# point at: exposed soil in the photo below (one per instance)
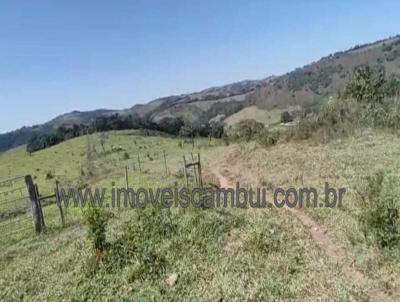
(324, 240)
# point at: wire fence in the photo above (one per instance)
(18, 214)
(16, 217)
(15, 211)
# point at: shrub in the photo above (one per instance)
(393, 85)
(49, 175)
(268, 137)
(140, 246)
(246, 130)
(286, 117)
(380, 218)
(335, 118)
(126, 156)
(303, 129)
(367, 85)
(97, 220)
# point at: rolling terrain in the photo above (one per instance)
(214, 254)
(306, 86)
(228, 252)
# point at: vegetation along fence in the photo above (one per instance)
(26, 208)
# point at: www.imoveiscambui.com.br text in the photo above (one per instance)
(203, 197)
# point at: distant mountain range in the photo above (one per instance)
(305, 86)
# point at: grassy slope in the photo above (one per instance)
(342, 163)
(234, 254)
(267, 117)
(312, 83)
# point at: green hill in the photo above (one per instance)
(305, 86)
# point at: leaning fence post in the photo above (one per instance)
(34, 204)
(58, 201)
(40, 206)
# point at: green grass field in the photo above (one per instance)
(267, 117)
(215, 254)
(342, 163)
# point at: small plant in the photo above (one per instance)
(49, 175)
(126, 156)
(97, 220)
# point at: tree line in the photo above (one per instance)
(170, 125)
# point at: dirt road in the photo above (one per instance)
(324, 240)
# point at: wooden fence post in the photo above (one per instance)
(40, 206)
(138, 158)
(58, 201)
(165, 164)
(126, 177)
(200, 175)
(127, 182)
(194, 169)
(34, 204)
(185, 172)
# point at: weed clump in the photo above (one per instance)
(248, 130)
(140, 247)
(97, 220)
(126, 156)
(380, 218)
(49, 175)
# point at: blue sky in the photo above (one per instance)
(59, 56)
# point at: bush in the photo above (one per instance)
(380, 218)
(140, 246)
(97, 220)
(286, 117)
(304, 128)
(336, 118)
(268, 137)
(367, 85)
(49, 175)
(246, 130)
(126, 156)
